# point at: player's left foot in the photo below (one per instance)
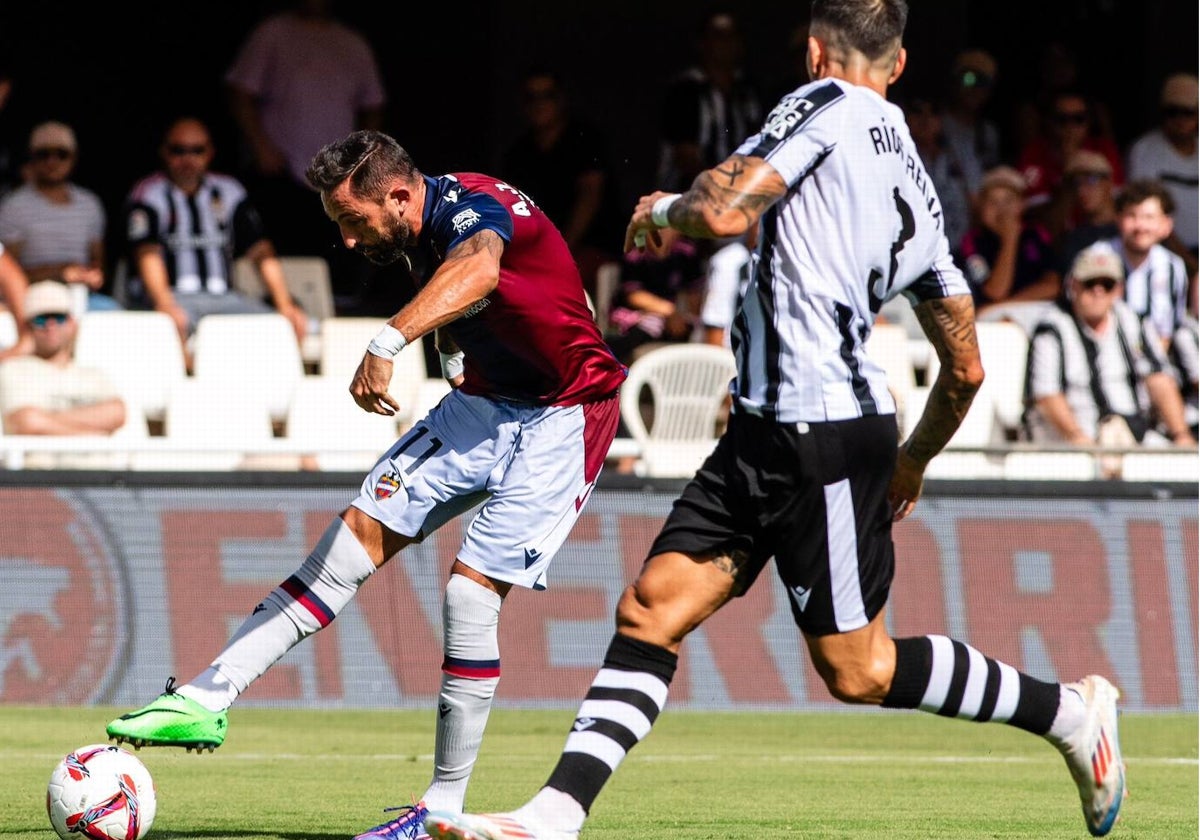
(1093, 755)
(489, 827)
(407, 826)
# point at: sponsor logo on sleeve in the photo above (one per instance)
(464, 220)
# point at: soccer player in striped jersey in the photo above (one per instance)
(809, 470)
(519, 440)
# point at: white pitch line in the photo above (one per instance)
(663, 758)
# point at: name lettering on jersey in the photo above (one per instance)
(521, 207)
(887, 141)
(465, 220)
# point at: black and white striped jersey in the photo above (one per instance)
(201, 233)
(860, 224)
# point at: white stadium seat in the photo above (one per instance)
(344, 340)
(259, 352)
(325, 421)
(139, 350)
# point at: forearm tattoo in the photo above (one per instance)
(734, 187)
(950, 325)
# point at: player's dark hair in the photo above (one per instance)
(1135, 192)
(370, 159)
(872, 27)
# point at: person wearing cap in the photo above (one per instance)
(46, 392)
(1096, 372)
(1007, 259)
(1094, 210)
(969, 132)
(1168, 153)
(54, 227)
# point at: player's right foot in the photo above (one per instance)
(171, 720)
(1093, 755)
(441, 826)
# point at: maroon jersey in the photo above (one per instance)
(533, 338)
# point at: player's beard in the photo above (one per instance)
(391, 244)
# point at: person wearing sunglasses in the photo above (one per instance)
(1096, 372)
(185, 225)
(46, 392)
(1167, 153)
(1067, 127)
(54, 227)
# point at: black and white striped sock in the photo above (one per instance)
(620, 708)
(946, 677)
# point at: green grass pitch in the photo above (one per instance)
(320, 775)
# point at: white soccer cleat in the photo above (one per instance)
(1093, 755)
(443, 826)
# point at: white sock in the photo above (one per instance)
(1071, 713)
(470, 674)
(552, 809)
(300, 606)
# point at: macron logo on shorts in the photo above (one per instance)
(800, 595)
(532, 555)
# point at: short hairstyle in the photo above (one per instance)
(871, 27)
(369, 159)
(1135, 192)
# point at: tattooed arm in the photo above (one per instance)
(724, 201)
(950, 325)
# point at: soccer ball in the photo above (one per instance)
(103, 792)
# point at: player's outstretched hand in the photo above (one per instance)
(370, 386)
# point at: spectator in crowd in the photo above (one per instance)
(1094, 203)
(1007, 258)
(955, 177)
(1069, 125)
(1156, 280)
(709, 107)
(54, 227)
(46, 392)
(13, 285)
(969, 132)
(657, 301)
(185, 225)
(301, 79)
(1184, 356)
(1096, 373)
(562, 162)
(1167, 153)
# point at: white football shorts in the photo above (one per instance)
(531, 467)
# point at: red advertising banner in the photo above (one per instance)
(106, 591)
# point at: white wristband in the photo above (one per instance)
(388, 343)
(658, 213)
(452, 364)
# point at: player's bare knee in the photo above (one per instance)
(855, 684)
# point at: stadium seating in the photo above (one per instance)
(139, 350)
(308, 282)
(325, 421)
(8, 330)
(688, 389)
(343, 342)
(259, 352)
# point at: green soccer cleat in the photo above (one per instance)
(171, 720)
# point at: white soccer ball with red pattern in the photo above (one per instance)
(102, 792)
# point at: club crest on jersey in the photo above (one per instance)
(465, 220)
(386, 486)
